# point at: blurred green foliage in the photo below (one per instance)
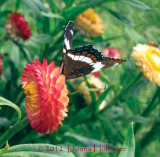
(129, 96)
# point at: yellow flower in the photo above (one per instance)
(147, 58)
(89, 23)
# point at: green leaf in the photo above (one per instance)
(40, 5)
(138, 119)
(84, 141)
(134, 35)
(43, 38)
(14, 72)
(80, 7)
(24, 51)
(51, 15)
(82, 115)
(111, 130)
(103, 96)
(104, 40)
(129, 144)
(4, 13)
(137, 4)
(5, 122)
(34, 8)
(38, 150)
(93, 96)
(6, 102)
(15, 55)
(120, 17)
(1, 2)
(69, 2)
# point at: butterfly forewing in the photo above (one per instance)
(68, 35)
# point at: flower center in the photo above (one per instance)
(154, 58)
(31, 96)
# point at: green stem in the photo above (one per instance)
(149, 109)
(150, 135)
(4, 150)
(23, 51)
(133, 81)
(105, 78)
(3, 38)
(110, 104)
(13, 130)
(93, 96)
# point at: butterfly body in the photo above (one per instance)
(84, 59)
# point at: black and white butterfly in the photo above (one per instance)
(82, 60)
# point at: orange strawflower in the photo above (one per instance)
(46, 96)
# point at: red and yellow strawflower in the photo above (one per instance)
(46, 96)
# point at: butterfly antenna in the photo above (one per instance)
(88, 89)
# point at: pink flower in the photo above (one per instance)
(112, 52)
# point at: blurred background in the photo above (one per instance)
(113, 27)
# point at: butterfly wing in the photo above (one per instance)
(68, 35)
(68, 38)
(84, 60)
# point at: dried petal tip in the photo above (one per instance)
(46, 96)
(17, 27)
(147, 58)
(89, 23)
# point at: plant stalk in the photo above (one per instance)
(149, 109)
(12, 131)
